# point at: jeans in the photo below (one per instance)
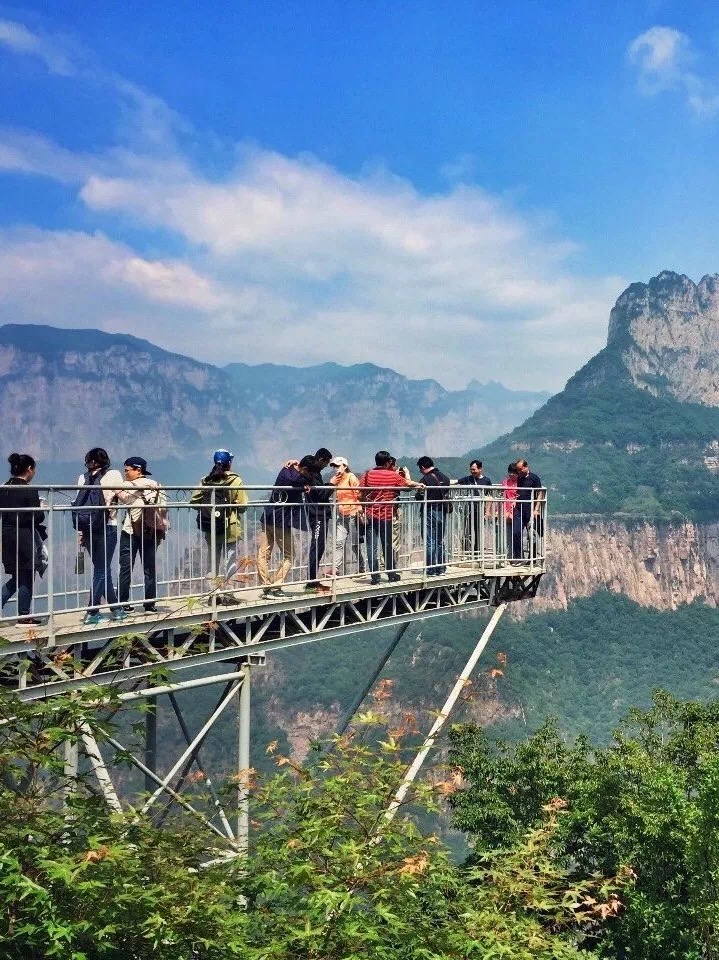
(103, 541)
(435, 545)
(473, 520)
(317, 545)
(225, 554)
(20, 581)
(380, 532)
(348, 532)
(520, 520)
(132, 544)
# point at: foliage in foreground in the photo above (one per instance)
(647, 804)
(328, 876)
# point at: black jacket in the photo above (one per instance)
(20, 525)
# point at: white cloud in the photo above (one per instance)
(287, 259)
(19, 39)
(665, 61)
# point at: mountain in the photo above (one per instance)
(636, 431)
(64, 391)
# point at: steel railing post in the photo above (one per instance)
(213, 554)
(334, 564)
(425, 528)
(50, 566)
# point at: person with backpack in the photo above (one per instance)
(22, 528)
(438, 507)
(94, 516)
(224, 515)
(142, 531)
(284, 515)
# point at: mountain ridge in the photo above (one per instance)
(63, 391)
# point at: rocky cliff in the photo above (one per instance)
(655, 565)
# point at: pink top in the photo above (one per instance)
(510, 495)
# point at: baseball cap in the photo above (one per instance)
(338, 462)
(139, 463)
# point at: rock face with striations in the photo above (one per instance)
(664, 338)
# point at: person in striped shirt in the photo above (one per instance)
(381, 486)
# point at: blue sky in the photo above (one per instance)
(455, 190)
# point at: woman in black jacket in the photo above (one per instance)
(21, 521)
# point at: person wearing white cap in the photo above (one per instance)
(349, 516)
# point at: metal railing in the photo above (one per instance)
(217, 552)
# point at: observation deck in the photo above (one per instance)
(212, 604)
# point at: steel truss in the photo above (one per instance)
(165, 662)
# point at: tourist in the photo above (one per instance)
(527, 507)
(220, 500)
(285, 513)
(381, 487)
(349, 510)
(142, 530)
(23, 529)
(478, 501)
(509, 495)
(318, 508)
(438, 507)
(94, 516)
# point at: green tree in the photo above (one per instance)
(646, 807)
(328, 876)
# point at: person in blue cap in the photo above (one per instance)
(224, 515)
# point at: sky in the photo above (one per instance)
(457, 191)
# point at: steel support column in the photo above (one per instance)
(243, 764)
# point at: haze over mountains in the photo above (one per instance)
(64, 391)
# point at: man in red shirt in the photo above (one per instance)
(381, 490)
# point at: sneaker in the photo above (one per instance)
(92, 619)
(394, 577)
(278, 592)
(312, 584)
(29, 619)
(374, 581)
(118, 614)
(128, 607)
(228, 600)
(149, 608)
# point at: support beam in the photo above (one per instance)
(243, 765)
(193, 747)
(444, 713)
(101, 772)
(359, 699)
(150, 740)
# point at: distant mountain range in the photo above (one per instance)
(64, 391)
(636, 430)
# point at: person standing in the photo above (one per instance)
(95, 518)
(474, 516)
(381, 486)
(21, 532)
(285, 513)
(140, 533)
(318, 510)
(526, 506)
(437, 504)
(349, 510)
(223, 514)
(509, 495)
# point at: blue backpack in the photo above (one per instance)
(86, 521)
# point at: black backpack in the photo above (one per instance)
(207, 514)
(86, 521)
